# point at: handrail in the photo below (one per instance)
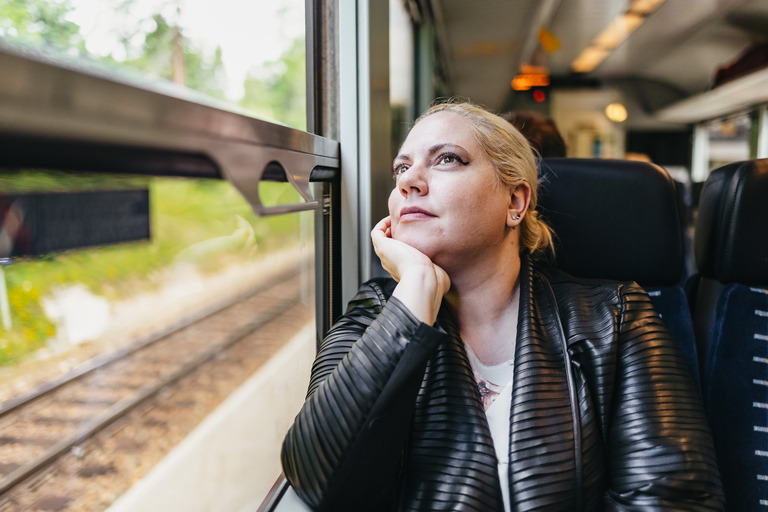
(58, 101)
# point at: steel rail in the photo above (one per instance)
(89, 366)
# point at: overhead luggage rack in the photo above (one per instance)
(742, 94)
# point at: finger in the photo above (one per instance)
(377, 237)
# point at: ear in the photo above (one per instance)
(519, 199)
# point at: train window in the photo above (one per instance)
(587, 130)
(155, 332)
(142, 341)
(729, 140)
(206, 50)
(401, 72)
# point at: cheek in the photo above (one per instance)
(392, 202)
(483, 212)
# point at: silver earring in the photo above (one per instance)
(516, 217)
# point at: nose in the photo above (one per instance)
(413, 181)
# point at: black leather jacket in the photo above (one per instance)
(393, 419)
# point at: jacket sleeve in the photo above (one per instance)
(660, 451)
(345, 446)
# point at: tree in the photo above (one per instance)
(167, 53)
(277, 89)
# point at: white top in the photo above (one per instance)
(495, 386)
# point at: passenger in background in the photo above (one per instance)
(540, 131)
(475, 378)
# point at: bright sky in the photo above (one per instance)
(249, 32)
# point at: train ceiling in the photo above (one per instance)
(679, 46)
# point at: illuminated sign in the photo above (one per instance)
(531, 76)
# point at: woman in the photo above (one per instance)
(447, 387)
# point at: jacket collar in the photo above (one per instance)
(541, 452)
(541, 418)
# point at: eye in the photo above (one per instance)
(398, 170)
(449, 158)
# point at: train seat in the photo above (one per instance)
(731, 302)
(617, 219)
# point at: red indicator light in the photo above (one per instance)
(539, 96)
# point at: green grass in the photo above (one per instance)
(204, 222)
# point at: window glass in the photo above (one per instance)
(162, 331)
(214, 309)
(401, 67)
(248, 54)
(729, 141)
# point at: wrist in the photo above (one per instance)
(419, 290)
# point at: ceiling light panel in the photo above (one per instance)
(644, 7)
(617, 31)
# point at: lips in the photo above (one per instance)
(414, 212)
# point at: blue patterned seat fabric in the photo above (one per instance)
(731, 245)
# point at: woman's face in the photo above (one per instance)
(447, 201)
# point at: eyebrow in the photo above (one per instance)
(432, 150)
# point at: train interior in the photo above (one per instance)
(151, 220)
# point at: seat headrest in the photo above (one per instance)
(613, 219)
(731, 240)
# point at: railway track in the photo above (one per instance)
(56, 418)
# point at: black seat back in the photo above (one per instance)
(617, 219)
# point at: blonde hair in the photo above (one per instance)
(514, 161)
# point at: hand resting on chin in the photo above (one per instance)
(421, 283)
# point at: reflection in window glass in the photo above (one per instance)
(401, 79)
(174, 359)
(250, 54)
(200, 228)
(74, 309)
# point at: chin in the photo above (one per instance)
(434, 249)
(418, 241)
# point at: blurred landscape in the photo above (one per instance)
(199, 228)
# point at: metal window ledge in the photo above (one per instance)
(71, 114)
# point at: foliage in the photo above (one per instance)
(40, 21)
(156, 56)
(44, 22)
(31, 326)
(205, 222)
(59, 181)
(277, 89)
